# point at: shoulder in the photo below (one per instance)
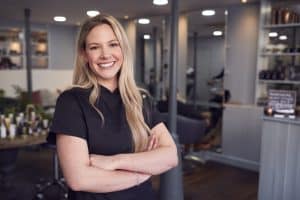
(72, 94)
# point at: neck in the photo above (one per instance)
(111, 85)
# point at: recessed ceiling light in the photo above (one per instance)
(92, 13)
(208, 12)
(283, 37)
(144, 21)
(147, 36)
(244, 1)
(160, 2)
(217, 33)
(126, 17)
(273, 34)
(60, 18)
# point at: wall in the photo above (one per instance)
(210, 61)
(61, 40)
(41, 79)
(241, 53)
(62, 46)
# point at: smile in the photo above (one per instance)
(106, 65)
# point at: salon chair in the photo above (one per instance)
(56, 180)
(189, 131)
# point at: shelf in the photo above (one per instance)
(279, 82)
(280, 54)
(283, 25)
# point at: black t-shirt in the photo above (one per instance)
(76, 117)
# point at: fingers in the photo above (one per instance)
(153, 142)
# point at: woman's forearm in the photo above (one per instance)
(97, 180)
(151, 162)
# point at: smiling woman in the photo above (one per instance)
(108, 122)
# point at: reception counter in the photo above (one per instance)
(279, 177)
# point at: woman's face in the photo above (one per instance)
(104, 55)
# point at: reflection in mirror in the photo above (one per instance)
(150, 56)
(206, 56)
(205, 72)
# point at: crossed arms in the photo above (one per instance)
(101, 174)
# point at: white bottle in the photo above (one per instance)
(3, 131)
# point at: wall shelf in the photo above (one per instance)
(279, 82)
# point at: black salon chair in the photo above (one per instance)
(189, 131)
(56, 180)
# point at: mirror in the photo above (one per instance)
(206, 70)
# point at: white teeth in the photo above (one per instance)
(106, 64)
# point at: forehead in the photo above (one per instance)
(101, 33)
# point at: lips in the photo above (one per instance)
(106, 65)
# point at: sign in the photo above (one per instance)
(282, 99)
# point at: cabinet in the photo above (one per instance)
(278, 59)
(12, 49)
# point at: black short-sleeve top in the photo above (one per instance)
(76, 117)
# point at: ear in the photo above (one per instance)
(84, 56)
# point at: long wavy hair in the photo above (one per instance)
(131, 95)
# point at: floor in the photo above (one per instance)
(212, 181)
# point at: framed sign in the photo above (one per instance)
(280, 100)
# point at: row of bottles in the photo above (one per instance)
(284, 16)
(23, 124)
(281, 73)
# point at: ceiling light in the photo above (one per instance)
(217, 33)
(147, 36)
(126, 17)
(226, 12)
(208, 12)
(244, 1)
(92, 13)
(160, 2)
(283, 37)
(273, 34)
(60, 18)
(144, 21)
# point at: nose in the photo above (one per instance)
(105, 54)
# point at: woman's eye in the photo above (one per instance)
(114, 44)
(93, 47)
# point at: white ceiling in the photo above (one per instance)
(43, 11)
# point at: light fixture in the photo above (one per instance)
(160, 2)
(273, 34)
(226, 12)
(126, 17)
(244, 1)
(147, 36)
(92, 13)
(144, 21)
(60, 18)
(217, 33)
(208, 12)
(283, 37)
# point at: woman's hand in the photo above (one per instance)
(104, 162)
(152, 142)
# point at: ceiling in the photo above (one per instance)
(43, 11)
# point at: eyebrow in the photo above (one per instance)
(95, 43)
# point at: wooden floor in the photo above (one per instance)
(214, 181)
(211, 181)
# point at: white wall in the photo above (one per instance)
(241, 52)
(41, 79)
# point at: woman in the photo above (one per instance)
(105, 147)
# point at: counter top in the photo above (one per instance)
(283, 120)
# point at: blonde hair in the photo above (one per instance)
(131, 95)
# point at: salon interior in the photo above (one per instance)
(232, 66)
